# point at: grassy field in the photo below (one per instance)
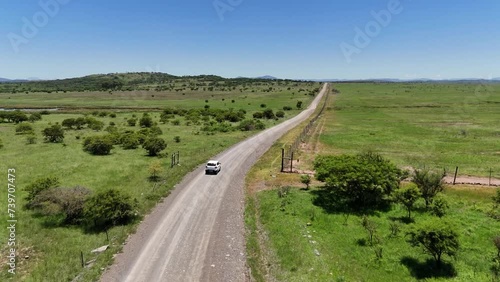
(433, 125)
(50, 252)
(342, 256)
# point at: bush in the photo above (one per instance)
(263, 105)
(24, 128)
(177, 139)
(258, 115)
(54, 134)
(35, 117)
(146, 121)
(66, 201)
(280, 114)
(31, 139)
(299, 105)
(130, 141)
(176, 122)
(38, 186)
(108, 208)
(112, 115)
(268, 114)
(287, 108)
(305, 179)
(436, 238)
(154, 145)
(1, 144)
(429, 183)
(98, 145)
(439, 206)
(362, 181)
(68, 123)
(96, 125)
(132, 122)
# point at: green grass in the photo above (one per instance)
(432, 125)
(342, 258)
(54, 251)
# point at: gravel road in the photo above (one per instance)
(197, 233)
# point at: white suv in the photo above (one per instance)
(212, 167)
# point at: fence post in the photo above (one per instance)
(83, 261)
(455, 178)
(282, 159)
(178, 157)
(489, 180)
(291, 162)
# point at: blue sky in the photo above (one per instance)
(287, 39)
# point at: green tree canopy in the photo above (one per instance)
(359, 181)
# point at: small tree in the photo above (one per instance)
(299, 105)
(436, 238)
(306, 179)
(54, 134)
(98, 145)
(429, 183)
(370, 227)
(31, 139)
(109, 208)
(268, 114)
(439, 206)
(132, 121)
(35, 117)
(24, 128)
(407, 197)
(155, 169)
(154, 145)
(177, 139)
(68, 123)
(280, 114)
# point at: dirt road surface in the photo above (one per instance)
(197, 233)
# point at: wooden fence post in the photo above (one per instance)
(455, 178)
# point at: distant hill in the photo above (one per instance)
(122, 81)
(267, 77)
(4, 79)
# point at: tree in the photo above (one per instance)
(429, 183)
(154, 145)
(38, 186)
(299, 105)
(109, 208)
(155, 169)
(54, 134)
(24, 128)
(407, 196)
(98, 145)
(305, 179)
(360, 181)
(436, 238)
(18, 116)
(280, 114)
(370, 227)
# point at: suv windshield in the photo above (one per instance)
(211, 164)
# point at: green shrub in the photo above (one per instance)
(258, 115)
(98, 145)
(24, 128)
(146, 121)
(31, 139)
(439, 206)
(287, 108)
(177, 139)
(35, 117)
(132, 122)
(154, 145)
(1, 144)
(38, 186)
(130, 141)
(108, 208)
(54, 134)
(280, 114)
(112, 115)
(268, 114)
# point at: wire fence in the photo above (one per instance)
(287, 154)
